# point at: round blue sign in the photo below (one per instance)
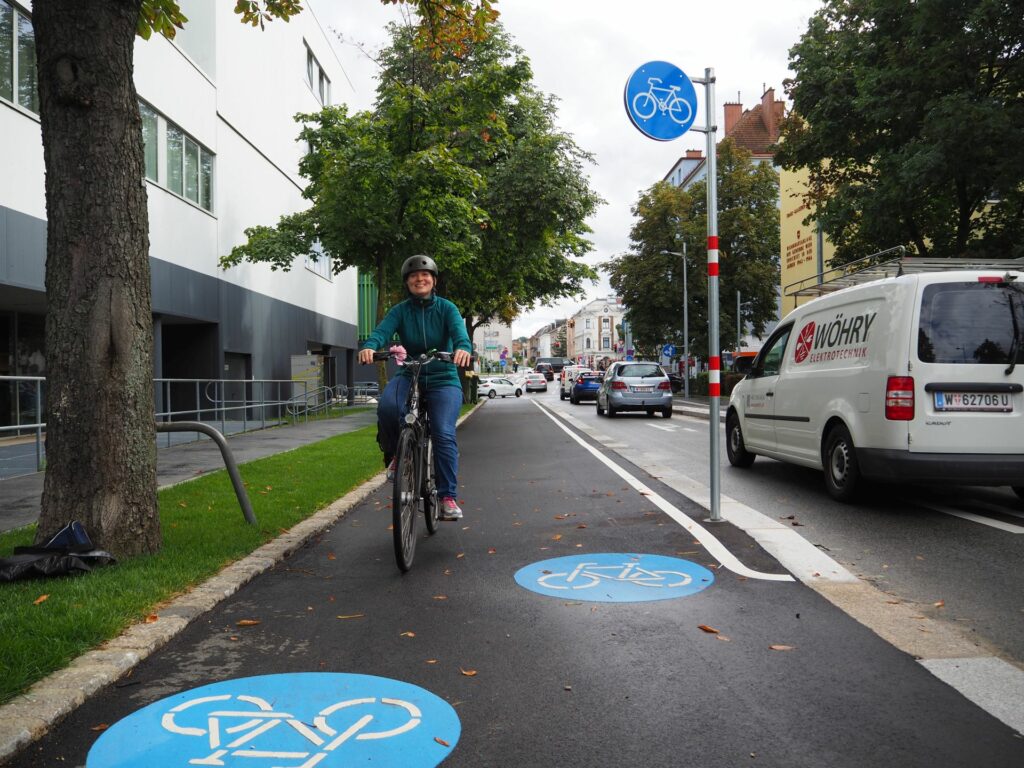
(286, 721)
(668, 350)
(660, 100)
(613, 577)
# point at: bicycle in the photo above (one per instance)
(414, 486)
(646, 103)
(587, 575)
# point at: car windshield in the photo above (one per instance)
(640, 370)
(971, 323)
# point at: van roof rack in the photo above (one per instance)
(892, 262)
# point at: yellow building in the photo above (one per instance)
(805, 251)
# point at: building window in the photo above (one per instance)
(319, 263)
(317, 79)
(187, 169)
(586, 342)
(18, 78)
(606, 343)
(588, 323)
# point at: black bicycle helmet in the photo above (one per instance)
(417, 264)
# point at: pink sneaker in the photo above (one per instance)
(450, 510)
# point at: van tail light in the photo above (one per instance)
(619, 385)
(899, 398)
(665, 385)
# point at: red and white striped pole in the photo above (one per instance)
(714, 356)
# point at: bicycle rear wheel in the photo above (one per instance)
(405, 500)
(431, 503)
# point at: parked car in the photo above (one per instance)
(917, 378)
(635, 386)
(585, 386)
(556, 363)
(535, 382)
(498, 387)
(567, 378)
(546, 370)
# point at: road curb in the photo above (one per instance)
(29, 716)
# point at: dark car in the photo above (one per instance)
(585, 387)
(547, 370)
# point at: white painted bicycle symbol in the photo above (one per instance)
(225, 739)
(587, 575)
(646, 103)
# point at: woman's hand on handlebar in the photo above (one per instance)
(462, 358)
(366, 356)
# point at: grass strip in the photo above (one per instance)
(203, 531)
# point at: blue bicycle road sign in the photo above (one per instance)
(660, 100)
(615, 577)
(304, 719)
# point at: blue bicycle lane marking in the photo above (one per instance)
(296, 720)
(615, 577)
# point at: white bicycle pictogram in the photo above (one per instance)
(587, 575)
(646, 103)
(230, 740)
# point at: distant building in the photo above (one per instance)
(593, 333)
(490, 341)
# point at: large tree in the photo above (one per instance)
(650, 282)
(460, 159)
(101, 455)
(907, 117)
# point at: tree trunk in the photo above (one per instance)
(101, 447)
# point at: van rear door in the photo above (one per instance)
(969, 372)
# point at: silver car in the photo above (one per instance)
(635, 386)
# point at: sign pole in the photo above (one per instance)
(714, 356)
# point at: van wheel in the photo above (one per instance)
(519, 393)
(561, 394)
(842, 473)
(737, 452)
(600, 410)
(1019, 490)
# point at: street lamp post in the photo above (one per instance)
(686, 324)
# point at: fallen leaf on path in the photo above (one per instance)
(560, 517)
(407, 634)
(706, 628)
(780, 648)
(100, 727)
(582, 525)
(352, 616)
(940, 604)
(247, 623)
(330, 556)
(492, 551)
(440, 597)
(460, 555)
(723, 638)
(468, 672)
(442, 742)
(557, 537)
(40, 599)
(152, 618)
(233, 637)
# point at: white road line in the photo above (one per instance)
(1008, 527)
(710, 543)
(690, 429)
(997, 508)
(664, 429)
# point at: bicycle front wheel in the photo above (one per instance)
(405, 500)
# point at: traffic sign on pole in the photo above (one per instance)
(660, 100)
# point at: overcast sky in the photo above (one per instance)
(583, 51)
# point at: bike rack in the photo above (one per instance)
(225, 451)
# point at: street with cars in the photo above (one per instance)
(585, 613)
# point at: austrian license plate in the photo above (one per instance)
(1001, 402)
(643, 389)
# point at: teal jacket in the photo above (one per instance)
(422, 325)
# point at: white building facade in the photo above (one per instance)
(489, 341)
(221, 155)
(594, 332)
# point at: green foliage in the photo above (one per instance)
(651, 282)
(460, 159)
(907, 117)
(203, 531)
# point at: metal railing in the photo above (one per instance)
(236, 405)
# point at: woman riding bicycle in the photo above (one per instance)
(424, 322)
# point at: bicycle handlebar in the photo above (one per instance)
(426, 357)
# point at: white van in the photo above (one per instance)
(568, 377)
(917, 378)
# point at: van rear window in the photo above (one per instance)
(971, 323)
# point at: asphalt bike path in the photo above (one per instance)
(722, 669)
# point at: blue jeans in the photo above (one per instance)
(443, 405)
